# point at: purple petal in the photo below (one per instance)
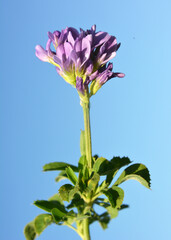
(60, 51)
(48, 44)
(82, 48)
(89, 68)
(79, 84)
(57, 60)
(120, 75)
(93, 28)
(74, 32)
(77, 46)
(71, 39)
(67, 65)
(63, 36)
(86, 48)
(54, 37)
(82, 86)
(68, 49)
(94, 75)
(73, 56)
(110, 66)
(118, 46)
(107, 58)
(56, 34)
(49, 52)
(100, 38)
(89, 37)
(41, 53)
(51, 36)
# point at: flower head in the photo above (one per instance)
(81, 57)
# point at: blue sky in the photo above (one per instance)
(41, 117)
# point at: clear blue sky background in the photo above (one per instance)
(41, 117)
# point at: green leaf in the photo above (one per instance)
(42, 221)
(137, 172)
(55, 166)
(113, 212)
(104, 220)
(29, 231)
(101, 166)
(73, 192)
(77, 202)
(116, 164)
(82, 162)
(49, 205)
(58, 215)
(82, 143)
(115, 196)
(71, 175)
(81, 182)
(123, 206)
(64, 191)
(105, 167)
(83, 178)
(93, 182)
(102, 187)
(61, 176)
(56, 197)
(95, 157)
(103, 202)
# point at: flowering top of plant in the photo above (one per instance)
(81, 57)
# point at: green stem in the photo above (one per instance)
(86, 229)
(86, 111)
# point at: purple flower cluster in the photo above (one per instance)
(81, 57)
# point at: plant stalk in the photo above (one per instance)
(86, 229)
(86, 111)
(87, 129)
